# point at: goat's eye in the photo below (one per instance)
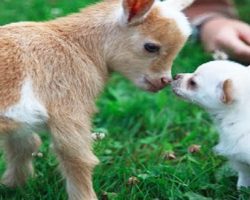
(152, 48)
(192, 84)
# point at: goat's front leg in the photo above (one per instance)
(72, 144)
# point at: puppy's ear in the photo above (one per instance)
(135, 10)
(179, 4)
(227, 92)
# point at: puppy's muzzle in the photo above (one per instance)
(178, 76)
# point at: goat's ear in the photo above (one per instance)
(136, 10)
(179, 4)
(227, 92)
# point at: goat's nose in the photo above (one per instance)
(158, 83)
(165, 81)
(178, 76)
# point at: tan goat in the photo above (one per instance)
(51, 73)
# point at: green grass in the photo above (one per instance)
(141, 128)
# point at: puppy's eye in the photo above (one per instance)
(152, 48)
(192, 84)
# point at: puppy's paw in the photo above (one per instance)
(243, 182)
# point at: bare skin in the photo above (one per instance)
(228, 35)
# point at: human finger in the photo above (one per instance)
(236, 48)
(244, 34)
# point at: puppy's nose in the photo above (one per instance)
(178, 76)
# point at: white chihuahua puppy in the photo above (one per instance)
(222, 88)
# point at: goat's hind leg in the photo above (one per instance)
(18, 148)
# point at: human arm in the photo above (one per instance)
(219, 28)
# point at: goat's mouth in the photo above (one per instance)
(151, 87)
(156, 85)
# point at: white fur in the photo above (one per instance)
(171, 12)
(29, 109)
(232, 120)
(179, 4)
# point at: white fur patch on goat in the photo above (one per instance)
(172, 13)
(28, 110)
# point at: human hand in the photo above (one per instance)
(228, 35)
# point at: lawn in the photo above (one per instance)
(142, 130)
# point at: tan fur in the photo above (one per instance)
(19, 150)
(227, 91)
(12, 67)
(68, 61)
(167, 33)
(7, 125)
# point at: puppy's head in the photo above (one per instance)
(214, 85)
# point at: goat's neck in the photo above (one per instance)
(90, 31)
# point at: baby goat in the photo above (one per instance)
(51, 73)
